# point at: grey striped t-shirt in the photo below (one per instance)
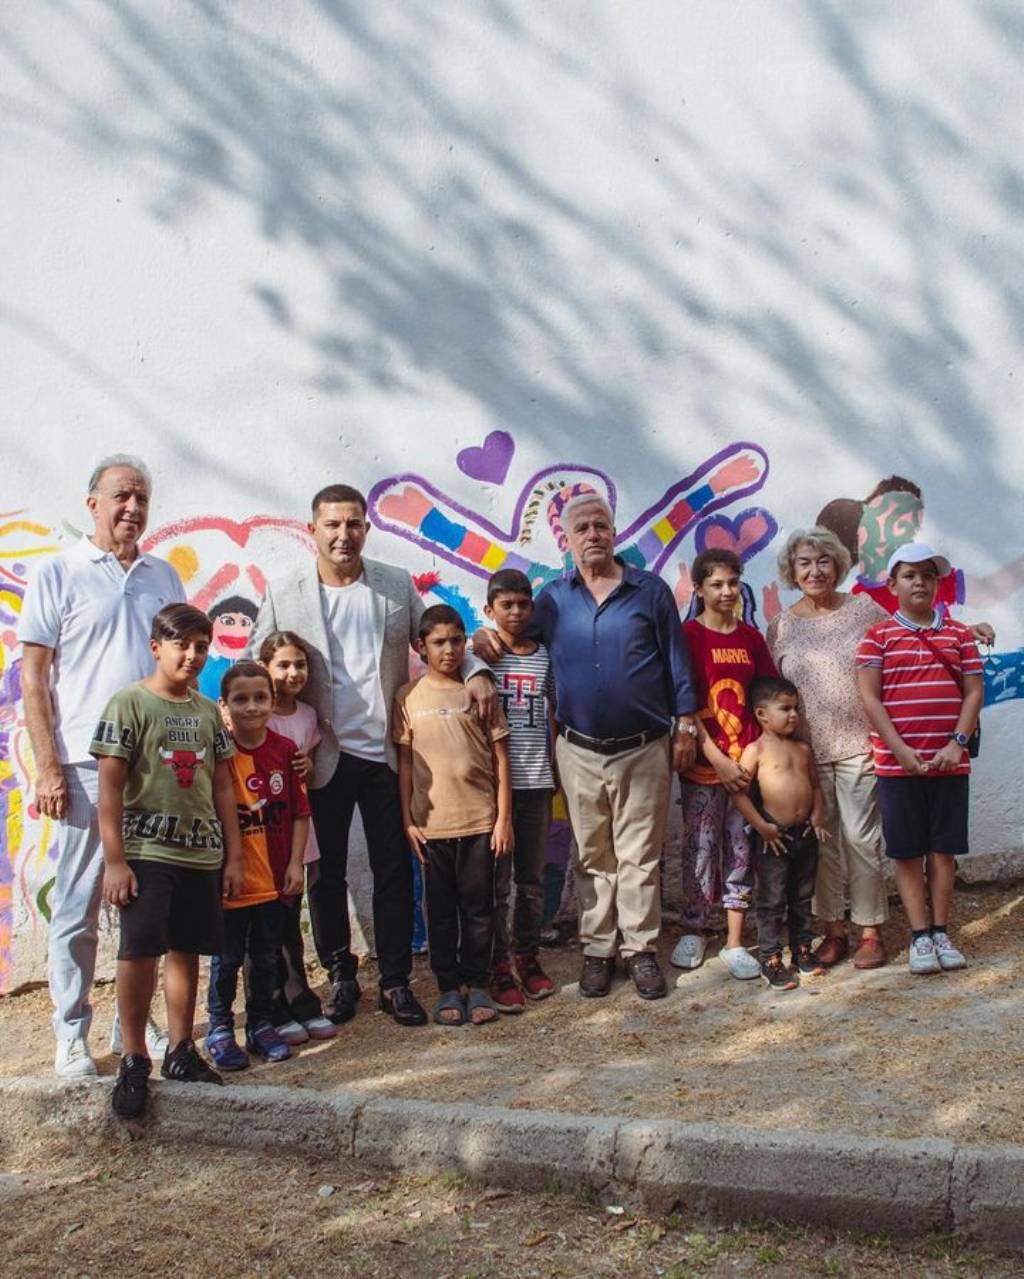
(526, 689)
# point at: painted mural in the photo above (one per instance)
(224, 564)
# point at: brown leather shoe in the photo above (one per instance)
(596, 978)
(832, 951)
(647, 976)
(870, 953)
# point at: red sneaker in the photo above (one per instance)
(534, 980)
(503, 990)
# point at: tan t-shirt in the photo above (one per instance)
(454, 789)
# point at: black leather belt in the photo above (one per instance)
(611, 745)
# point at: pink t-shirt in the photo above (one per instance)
(302, 727)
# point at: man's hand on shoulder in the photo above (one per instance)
(487, 645)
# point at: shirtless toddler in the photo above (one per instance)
(785, 807)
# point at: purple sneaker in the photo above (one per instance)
(224, 1049)
(265, 1042)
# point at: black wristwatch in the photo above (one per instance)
(961, 739)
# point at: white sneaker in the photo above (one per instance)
(948, 955)
(74, 1060)
(689, 951)
(923, 958)
(156, 1039)
(740, 962)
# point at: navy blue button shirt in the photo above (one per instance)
(621, 667)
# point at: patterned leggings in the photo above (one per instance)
(718, 863)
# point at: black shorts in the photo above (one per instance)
(178, 908)
(924, 814)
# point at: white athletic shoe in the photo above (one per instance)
(948, 955)
(689, 951)
(740, 962)
(923, 958)
(156, 1039)
(74, 1060)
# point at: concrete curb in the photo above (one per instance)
(823, 1179)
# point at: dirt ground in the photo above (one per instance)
(148, 1209)
(878, 1053)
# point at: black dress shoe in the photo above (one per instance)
(342, 1006)
(403, 1005)
(647, 976)
(596, 978)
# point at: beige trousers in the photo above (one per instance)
(850, 864)
(618, 806)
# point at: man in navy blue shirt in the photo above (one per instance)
(625, 709)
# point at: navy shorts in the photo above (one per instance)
(178, 908)
(924, 814)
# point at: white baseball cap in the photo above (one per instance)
(917, 553)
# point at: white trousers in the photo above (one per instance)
(75, 905)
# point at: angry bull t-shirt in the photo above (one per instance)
(172, 749)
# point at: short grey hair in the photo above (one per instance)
(586, 499)
(822, 540)
(127, 460)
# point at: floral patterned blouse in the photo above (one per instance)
(817, 654)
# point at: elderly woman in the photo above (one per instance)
(814, 643)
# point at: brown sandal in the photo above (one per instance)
(870, 953)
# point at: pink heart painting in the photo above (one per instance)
(746, 534)
(488, 462)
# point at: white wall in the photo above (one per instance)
(270, 246)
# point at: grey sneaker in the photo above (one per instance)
(948, 955)
(923, 958)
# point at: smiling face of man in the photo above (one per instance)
(119, 505)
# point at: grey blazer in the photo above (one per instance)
(293, 604)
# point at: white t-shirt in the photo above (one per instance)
(359, 715)
(97, 619)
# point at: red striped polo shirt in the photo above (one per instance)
(922, 697)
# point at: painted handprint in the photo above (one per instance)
(412, 508)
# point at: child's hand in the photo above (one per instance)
(949, 757)
(234, 879)
(502, 839)
(909, 760)
(302, 764)
(293, 880)
(822, 832)
(734, 777)
(119, 885)
(772, 837)
(417, 842)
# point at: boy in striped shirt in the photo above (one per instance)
(920, 679)
(524, 683)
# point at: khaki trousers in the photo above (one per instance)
(850, 864)
(618, 805)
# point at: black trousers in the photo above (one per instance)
(531, 819)
(252, 936)
(293, 998)
(374, 787)
(460, 909)
(785, 886)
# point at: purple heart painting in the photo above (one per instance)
(488, 462)
(746, 534)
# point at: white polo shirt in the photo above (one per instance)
(97, 619)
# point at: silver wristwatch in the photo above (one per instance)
(678, 726)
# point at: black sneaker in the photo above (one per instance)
(128, 1100)
(804, 961)
(777, 975)
(342, 1006)
(185, 1066)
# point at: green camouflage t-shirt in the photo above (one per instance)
(172, 749)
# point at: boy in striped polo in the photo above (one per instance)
(524, 683)
(920, 679)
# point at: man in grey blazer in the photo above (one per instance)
(358, 619)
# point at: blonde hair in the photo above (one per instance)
(819, 539)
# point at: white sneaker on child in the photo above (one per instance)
(689, 951)
(74, 1060)
(293, 1033)
(740, 962)
(948, 955)
(156, 1039)
(923, 958)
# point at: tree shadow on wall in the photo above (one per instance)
(465, 259)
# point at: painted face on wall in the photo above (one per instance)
(231, 634)
(888, 522)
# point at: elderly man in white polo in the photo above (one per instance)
(84, 630)
(625, 708)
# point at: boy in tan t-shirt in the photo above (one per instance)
(453, 776)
